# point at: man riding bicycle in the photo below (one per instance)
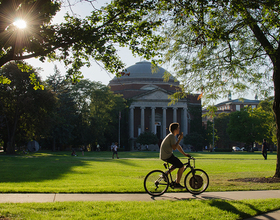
(166, 152)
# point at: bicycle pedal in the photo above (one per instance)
(172, 184)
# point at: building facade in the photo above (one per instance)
(236, 105)
(228, 106)
(150, 108)
(231, 106)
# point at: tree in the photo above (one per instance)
(23, 109)
(14, 41)
(98, 109)
(196, 140)
(147, 138)
(263, 124)
(209, 134)
(63, 118)
(267, 106)
(76, 40)
(248, 126)
(239, 127)
(221, 124)
(220, 46)
(105, 108)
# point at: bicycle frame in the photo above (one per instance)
(157, 182)
(187, 165)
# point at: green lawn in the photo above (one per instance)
(97, 172)
(188, 209)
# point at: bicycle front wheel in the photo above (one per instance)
(196, 181)
(156, 183)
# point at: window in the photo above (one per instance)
(237, 107)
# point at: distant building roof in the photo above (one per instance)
(239, 101)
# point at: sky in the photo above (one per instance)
(95, 72)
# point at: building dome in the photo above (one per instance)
(144, 69)
(140, 77)
(149, 101)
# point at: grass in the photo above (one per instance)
(96, 172)
(187, 209)
(46, 172)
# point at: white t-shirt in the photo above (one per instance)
(166, 150)
(115, 147)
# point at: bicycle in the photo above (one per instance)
(157, 182)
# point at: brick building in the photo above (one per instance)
(228, 107)
(231, 106)
(150, 108)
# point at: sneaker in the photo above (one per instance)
(178, 186)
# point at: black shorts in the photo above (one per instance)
(174, 161)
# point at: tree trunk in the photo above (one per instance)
(53, 145)
(11, 149)
(276, 109)
(5, 146)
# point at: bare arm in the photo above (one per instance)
(175, 146)
(180, 149)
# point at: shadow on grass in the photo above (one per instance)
(229, 207)
(39, 168)
(35, 169)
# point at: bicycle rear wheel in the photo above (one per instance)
(196, 181)
(156, 183)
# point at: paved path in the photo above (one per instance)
(233, 195)
(52, 197)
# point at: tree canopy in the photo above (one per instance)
(147, 138)
(219, 46)
(61, 116)
(221, 124)
(76, 40)
(24, 112)
(249, 125)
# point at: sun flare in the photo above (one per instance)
(19, 23)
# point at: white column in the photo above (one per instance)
(153, 117)
(142, 119)
(164, 122)
(185, 120)
(131, 122)
(174, 114)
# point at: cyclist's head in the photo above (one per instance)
(173, 126)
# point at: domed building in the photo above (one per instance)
(150, 108)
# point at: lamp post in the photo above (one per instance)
(213, 133)
(120, 116)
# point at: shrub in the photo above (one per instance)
(147, 138)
